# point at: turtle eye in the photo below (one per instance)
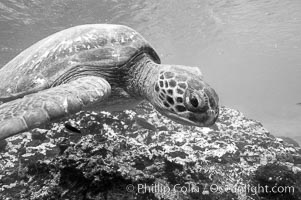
(194, 101)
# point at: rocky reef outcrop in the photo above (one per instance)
(139, 154)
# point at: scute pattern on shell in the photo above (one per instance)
(45, 61)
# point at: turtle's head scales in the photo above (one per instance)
(182, 95)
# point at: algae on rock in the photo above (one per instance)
(113, 155)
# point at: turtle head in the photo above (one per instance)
(182, 95)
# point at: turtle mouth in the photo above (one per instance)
(200, 120)
(193, 119)
(184, 121)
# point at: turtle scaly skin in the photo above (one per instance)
(98, 67)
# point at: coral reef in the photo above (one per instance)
(117, 156)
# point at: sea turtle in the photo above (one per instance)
(98, 67)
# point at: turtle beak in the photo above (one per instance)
(213, 116)
(204, 119)
(193, 119)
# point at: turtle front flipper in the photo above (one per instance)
(54, 103)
